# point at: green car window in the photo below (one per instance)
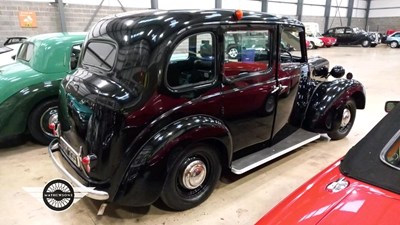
(26, 52)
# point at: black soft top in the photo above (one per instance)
(157, 25)
(363, 161)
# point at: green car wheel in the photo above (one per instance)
(39, 119)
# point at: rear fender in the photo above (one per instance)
(16, 109)
(148, 169)
(329, 97)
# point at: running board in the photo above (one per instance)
(297, 139)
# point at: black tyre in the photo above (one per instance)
(312, 45)
(365, 43)
(343, 120)
(192, 176)
(373, 45)
(38, 121)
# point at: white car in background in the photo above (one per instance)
(314, 42)
(7, 52)
(10, 50)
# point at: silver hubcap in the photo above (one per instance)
(365, 43)
(194, 174)
(49, 116)
(345, 117)
(233, 53)
(393, 44)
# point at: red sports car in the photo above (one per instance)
(328, 41)
(361, 188)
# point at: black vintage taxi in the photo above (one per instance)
(157, 107)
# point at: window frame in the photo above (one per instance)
(20, 49)
(197, 85)
(85, 49)
(240, 29)
(383, 155)
(79, 57)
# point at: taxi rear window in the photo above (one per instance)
(100, 55)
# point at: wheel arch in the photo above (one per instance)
(18, 107)
(328, 97)
(149, 165)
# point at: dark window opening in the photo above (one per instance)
(192, 62)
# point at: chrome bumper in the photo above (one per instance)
(91, 193)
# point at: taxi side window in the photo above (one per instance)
(247, 53)
(192, 62)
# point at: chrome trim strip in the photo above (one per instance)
(265, 160)
(91, 193)
(387, 148)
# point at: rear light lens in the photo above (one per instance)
(87, 160)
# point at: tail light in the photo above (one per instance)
(87, 160)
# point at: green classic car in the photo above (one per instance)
(29, 87)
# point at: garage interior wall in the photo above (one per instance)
(383, 14)
(77, 16)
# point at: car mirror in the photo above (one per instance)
(337, 71)
(389, 105)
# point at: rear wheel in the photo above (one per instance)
(394, 44)
(343, 120)
(38, 121)
(312, 45)
(192, 177)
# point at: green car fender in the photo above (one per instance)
(16, 109)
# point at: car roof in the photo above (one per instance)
(215, 15)
(56, 37)
(52, 48)
(363, 162)
(157, 25)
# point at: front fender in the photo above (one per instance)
(145, 176)
(330, 96)
(15, 110)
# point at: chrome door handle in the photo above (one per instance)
(276, 88)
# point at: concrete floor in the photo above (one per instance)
(237, 199)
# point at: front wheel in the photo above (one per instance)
(343, 120)
(365, 43)
(312, 45)
(394, 44)
(38, 121)
(192, 177)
